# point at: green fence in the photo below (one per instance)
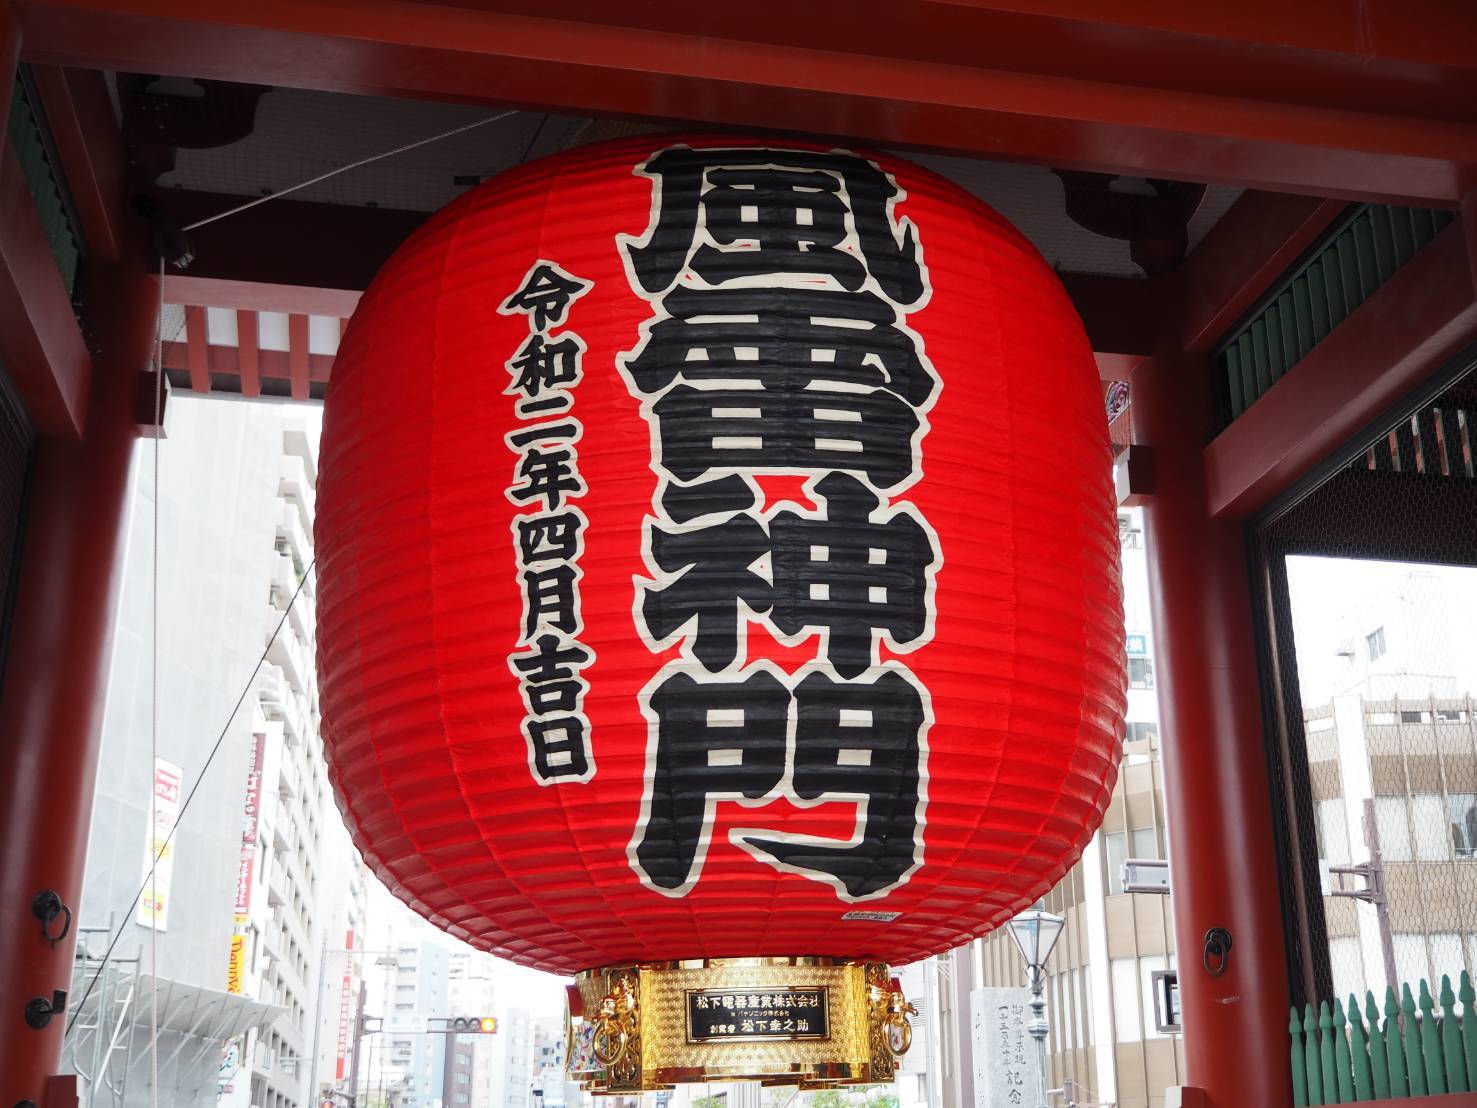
(1341, 1056)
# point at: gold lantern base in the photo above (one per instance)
(812, 1022)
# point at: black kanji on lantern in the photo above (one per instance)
(726, 740)
(850, 576)
(548, 542)
(857, 740)
(542, 365)
(791, 205)
(780, 283)
(782, 338)
(713, 739)
(853, 571)
(550, 673)
(712, 577)
(545, 296)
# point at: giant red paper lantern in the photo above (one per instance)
(718, 558)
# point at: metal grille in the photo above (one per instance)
(1354, 258)
(32, 144)
(1369, 587)
(17, 442)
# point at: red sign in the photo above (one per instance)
(345, 998)
(248, 829)
(718, 557)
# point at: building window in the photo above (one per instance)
(1124, 976)
(1115, 850)
(1143, 732)
(1463, 808)
(1130, 536)
(1140, 673)
(1374, 642)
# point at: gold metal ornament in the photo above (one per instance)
(813, 1022)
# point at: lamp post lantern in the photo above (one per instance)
(1036, 932)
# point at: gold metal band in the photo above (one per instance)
(815, 1022)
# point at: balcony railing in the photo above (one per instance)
(1343, 1056)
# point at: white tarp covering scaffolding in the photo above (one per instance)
(108, 1046)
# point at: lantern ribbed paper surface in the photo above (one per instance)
(717, 557)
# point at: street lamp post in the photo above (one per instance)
(1036, 932)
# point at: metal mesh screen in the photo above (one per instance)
(1370, 590)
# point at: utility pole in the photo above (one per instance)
(317, 1022)
(357, 1044)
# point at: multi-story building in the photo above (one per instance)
(234, 906)
(1111, 1042)
(512, 1058)
(471, 994)
(414, 992)
(1390, 727)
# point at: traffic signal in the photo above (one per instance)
(469, 1025)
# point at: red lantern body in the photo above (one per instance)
(717, 558)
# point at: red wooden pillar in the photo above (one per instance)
(1216, 789)
(51, 705)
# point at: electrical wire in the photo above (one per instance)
(345, 168)
(184, 807)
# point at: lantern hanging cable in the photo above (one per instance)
(345, 168)
(199, 778)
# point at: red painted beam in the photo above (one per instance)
(248, 357)
(297, 354)
(1241, 257)
(39, 338)
(231, 361)
(258, 296)
(1069, 88)
(79, 114)
(1421, 318)
(197, 342)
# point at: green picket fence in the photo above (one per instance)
(1340, 1055)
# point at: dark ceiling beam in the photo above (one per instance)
(1412, 326)
(79, 115)
(1374, 103)
(1121, 318)
(287, 242)
(40, 341)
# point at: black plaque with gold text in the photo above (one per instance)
(737, 1015)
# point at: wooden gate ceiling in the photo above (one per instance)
(1262, 103)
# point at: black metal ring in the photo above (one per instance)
(1217, 953)
(46, 906)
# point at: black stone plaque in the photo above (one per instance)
(738, 1015)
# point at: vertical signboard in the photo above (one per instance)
(1006, 1069)
(153, 906)
(345, 1000)
(249, 828)
(245, 866)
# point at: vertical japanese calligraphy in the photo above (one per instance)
(548, 539)
(780, 282)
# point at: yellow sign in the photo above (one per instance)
(236, 973)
